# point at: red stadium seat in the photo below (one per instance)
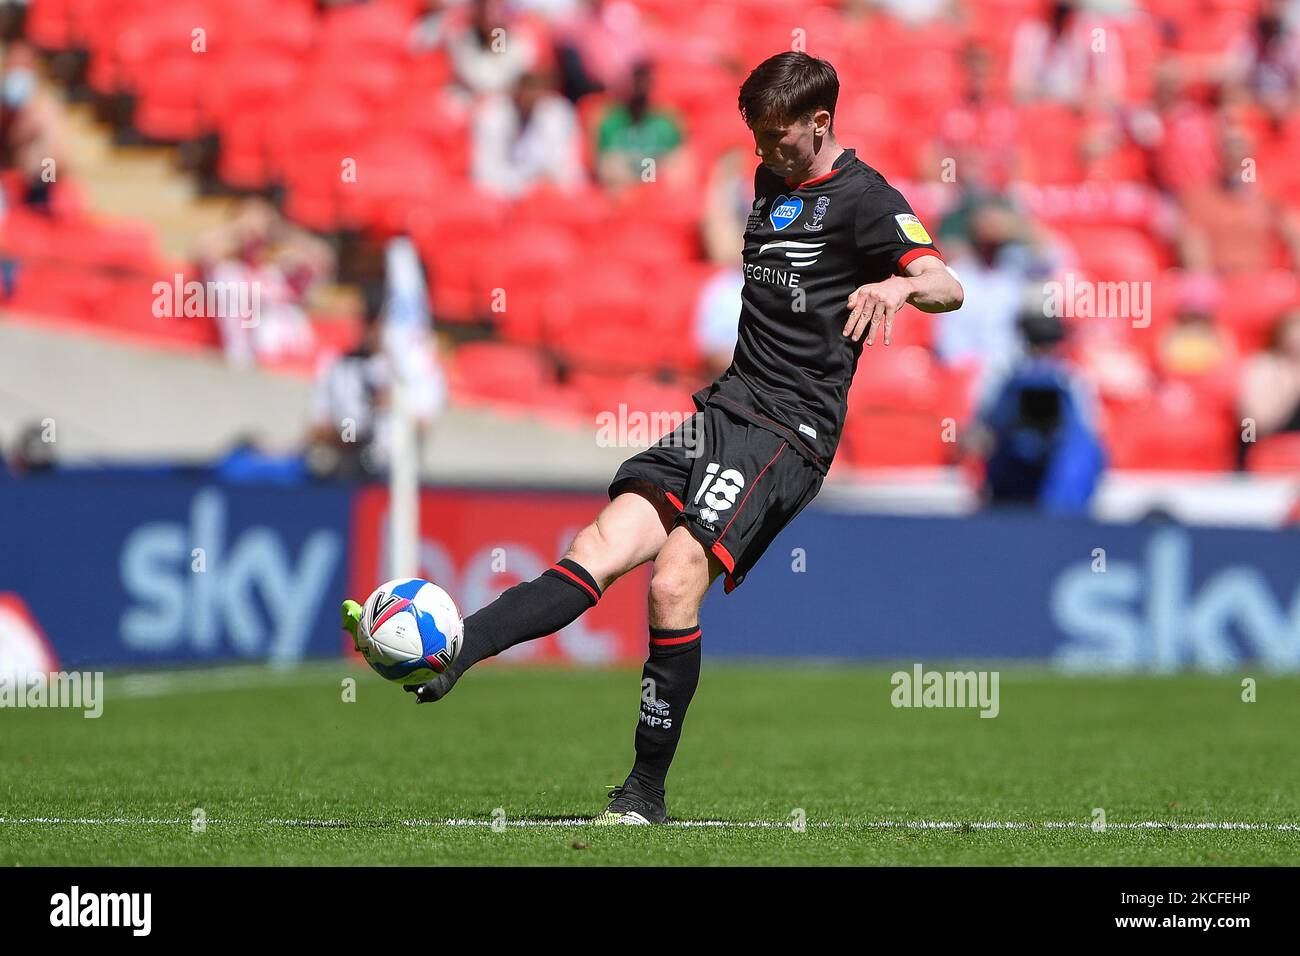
(665, 402)
(315, 122)
(500, 371)
(1275, 455)
(586, 209)
(167, 99)
(127, 311)
(244, 161)
(44, 288)
(336, 334)
(453, 253)
(291, 31)
(885, 438)
(512, 377)
(391, 172)
(125, 246)
(1116, 253)
(1177, 430)
(367, 31)
(517, 279)
(372, 81)
(49, 24)
(895, 378)
(247, 82)
(1251, 304)
(313, 183)
(603, 322)
(1051, 144)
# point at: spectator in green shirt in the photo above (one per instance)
(636, 141)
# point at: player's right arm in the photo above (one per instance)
(928, 284)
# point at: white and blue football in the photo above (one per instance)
(410, 630)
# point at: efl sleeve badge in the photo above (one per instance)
(911, 229)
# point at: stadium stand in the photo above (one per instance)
(569, 301)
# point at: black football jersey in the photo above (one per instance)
(807, 248)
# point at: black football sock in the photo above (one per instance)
(668, 683)
(528, 611)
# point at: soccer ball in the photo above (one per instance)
(410, 630)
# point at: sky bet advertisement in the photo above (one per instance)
(115, 571)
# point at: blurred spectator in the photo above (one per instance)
(526, 138)
(1266, 59)
(1270, 386)
(1232, 225)
(633, 131)
(1178, 133)
(976, 132)
(717, 318)
(1115, 367)
(274, 265)
(352, 405)
(1194, 346)
(1036, 429)
(248, 463)
(728, 199)
(350, 409)
(490, 50)
(32, 452)
(597, 46)
(999, 257)
(431, 30)
(32, 135)
(917, 13)
(1058, 59)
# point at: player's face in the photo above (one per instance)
(787, 149)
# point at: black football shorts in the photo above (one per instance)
(735, 483)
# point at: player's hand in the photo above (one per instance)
(875, 304)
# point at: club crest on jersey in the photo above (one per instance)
(785, 210)
(815, 224)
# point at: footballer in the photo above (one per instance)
(831, 253)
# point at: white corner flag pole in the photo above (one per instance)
(403, 487)
(406, 319)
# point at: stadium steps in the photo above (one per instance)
(141, 183)
(115, 402)
(141, 188)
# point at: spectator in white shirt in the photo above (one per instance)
(526, 138)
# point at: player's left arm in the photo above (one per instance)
(928, 284)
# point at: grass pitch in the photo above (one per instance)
(277, 769)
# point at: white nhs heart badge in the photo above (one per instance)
(785, 210)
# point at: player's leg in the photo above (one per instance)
(645, 496)
(628, 532)
(683, 572)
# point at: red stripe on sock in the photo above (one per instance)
(595, 595)
(669, 641)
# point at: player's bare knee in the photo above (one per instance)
(678, 584)
(590, 548)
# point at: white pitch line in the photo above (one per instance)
(685, 824)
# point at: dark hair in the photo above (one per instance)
(787, 87)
